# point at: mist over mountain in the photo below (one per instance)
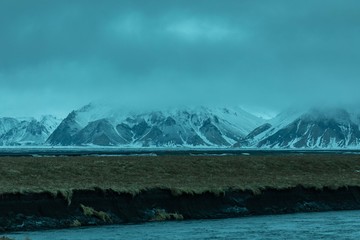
(57, 56)
(186, 127)
(148, 62)
(316, 128)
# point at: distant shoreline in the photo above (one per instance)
(116, 151)
(59, 192)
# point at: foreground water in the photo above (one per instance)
(328, 225)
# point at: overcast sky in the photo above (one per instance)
(56, 56)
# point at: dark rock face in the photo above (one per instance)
(249, 139)
(63, 134)
(141, 129)
(21, 212)
(152, 137)
(36, 128)
(125, 132)
(213, 134)
(169, 121)
(259, 130)
(100, 132)
(195, 140)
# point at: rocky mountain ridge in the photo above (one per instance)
(96, 125)
(26, 131)
(184, 127)
(312, 129)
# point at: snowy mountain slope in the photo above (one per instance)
(6, 124)
(270, 127)
(316, 128)
(253, 137)
(330, 128)
(26, 131)
(98, 125)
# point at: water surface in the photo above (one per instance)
(328, 225)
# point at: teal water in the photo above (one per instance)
(327, 225)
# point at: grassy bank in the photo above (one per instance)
(192, 174)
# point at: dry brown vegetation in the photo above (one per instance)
(162, 215)
(90, 212)
(191, 174)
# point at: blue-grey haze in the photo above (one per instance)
(58, 55)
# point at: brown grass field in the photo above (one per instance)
(190, 174)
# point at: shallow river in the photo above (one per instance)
(329, 225)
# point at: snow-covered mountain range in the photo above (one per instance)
(187, 127)
(97, 125)
(26, 131)
(330, 128)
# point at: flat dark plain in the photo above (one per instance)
(180, 174)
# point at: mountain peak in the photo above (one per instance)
(185, 126)
(313, 128)
(27, 131)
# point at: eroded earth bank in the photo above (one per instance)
(60, 192)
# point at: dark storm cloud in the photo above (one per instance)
(58, 55)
